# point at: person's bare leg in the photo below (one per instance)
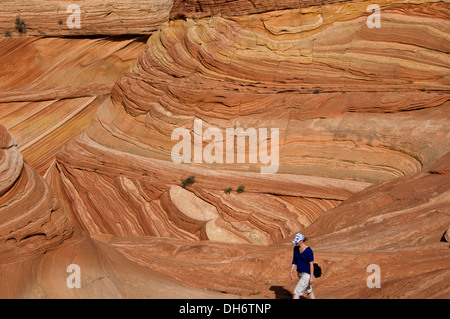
(296, 296)
(311, 295)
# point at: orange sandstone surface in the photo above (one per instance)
(38, 242)
(88, 174)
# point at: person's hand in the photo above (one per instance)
(290, 275)
(311, 280)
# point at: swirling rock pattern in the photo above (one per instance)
(351, 109)
(126, 195)
(50, 88)
(11, 161)
(400, 230)
(345, 106)
(363, 117)
(355, 107)
(38, 242)
(31, 219)
(396, 225)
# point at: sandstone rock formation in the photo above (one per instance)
(363, 124)
(57, 18)
(38, 242)
(32, 220)
(342, 104)
(125, 195)
(363, 167)
(396, 225)
(49, 94)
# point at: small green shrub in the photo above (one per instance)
(188, 181)
(240, 189)
(228, 190)
(21, 27)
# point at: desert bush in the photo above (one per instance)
(188, 181)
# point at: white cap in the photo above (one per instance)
(298, 237)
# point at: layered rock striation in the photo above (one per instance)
(396, 226)
(349, 102)
(50, 88)
(49, 18)
(32, 220)
(356, 123)
(352, 106)
(111, 192)
(40, 247)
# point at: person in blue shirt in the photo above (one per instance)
(303, 263)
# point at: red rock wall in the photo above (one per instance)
(363, 116)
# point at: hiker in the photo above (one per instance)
(303, 262)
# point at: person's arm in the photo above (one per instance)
(311, 269)
(292, 270)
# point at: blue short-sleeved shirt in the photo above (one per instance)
(303, 259)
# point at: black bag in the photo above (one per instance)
(317, 270)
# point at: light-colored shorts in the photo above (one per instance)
(303, 284)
